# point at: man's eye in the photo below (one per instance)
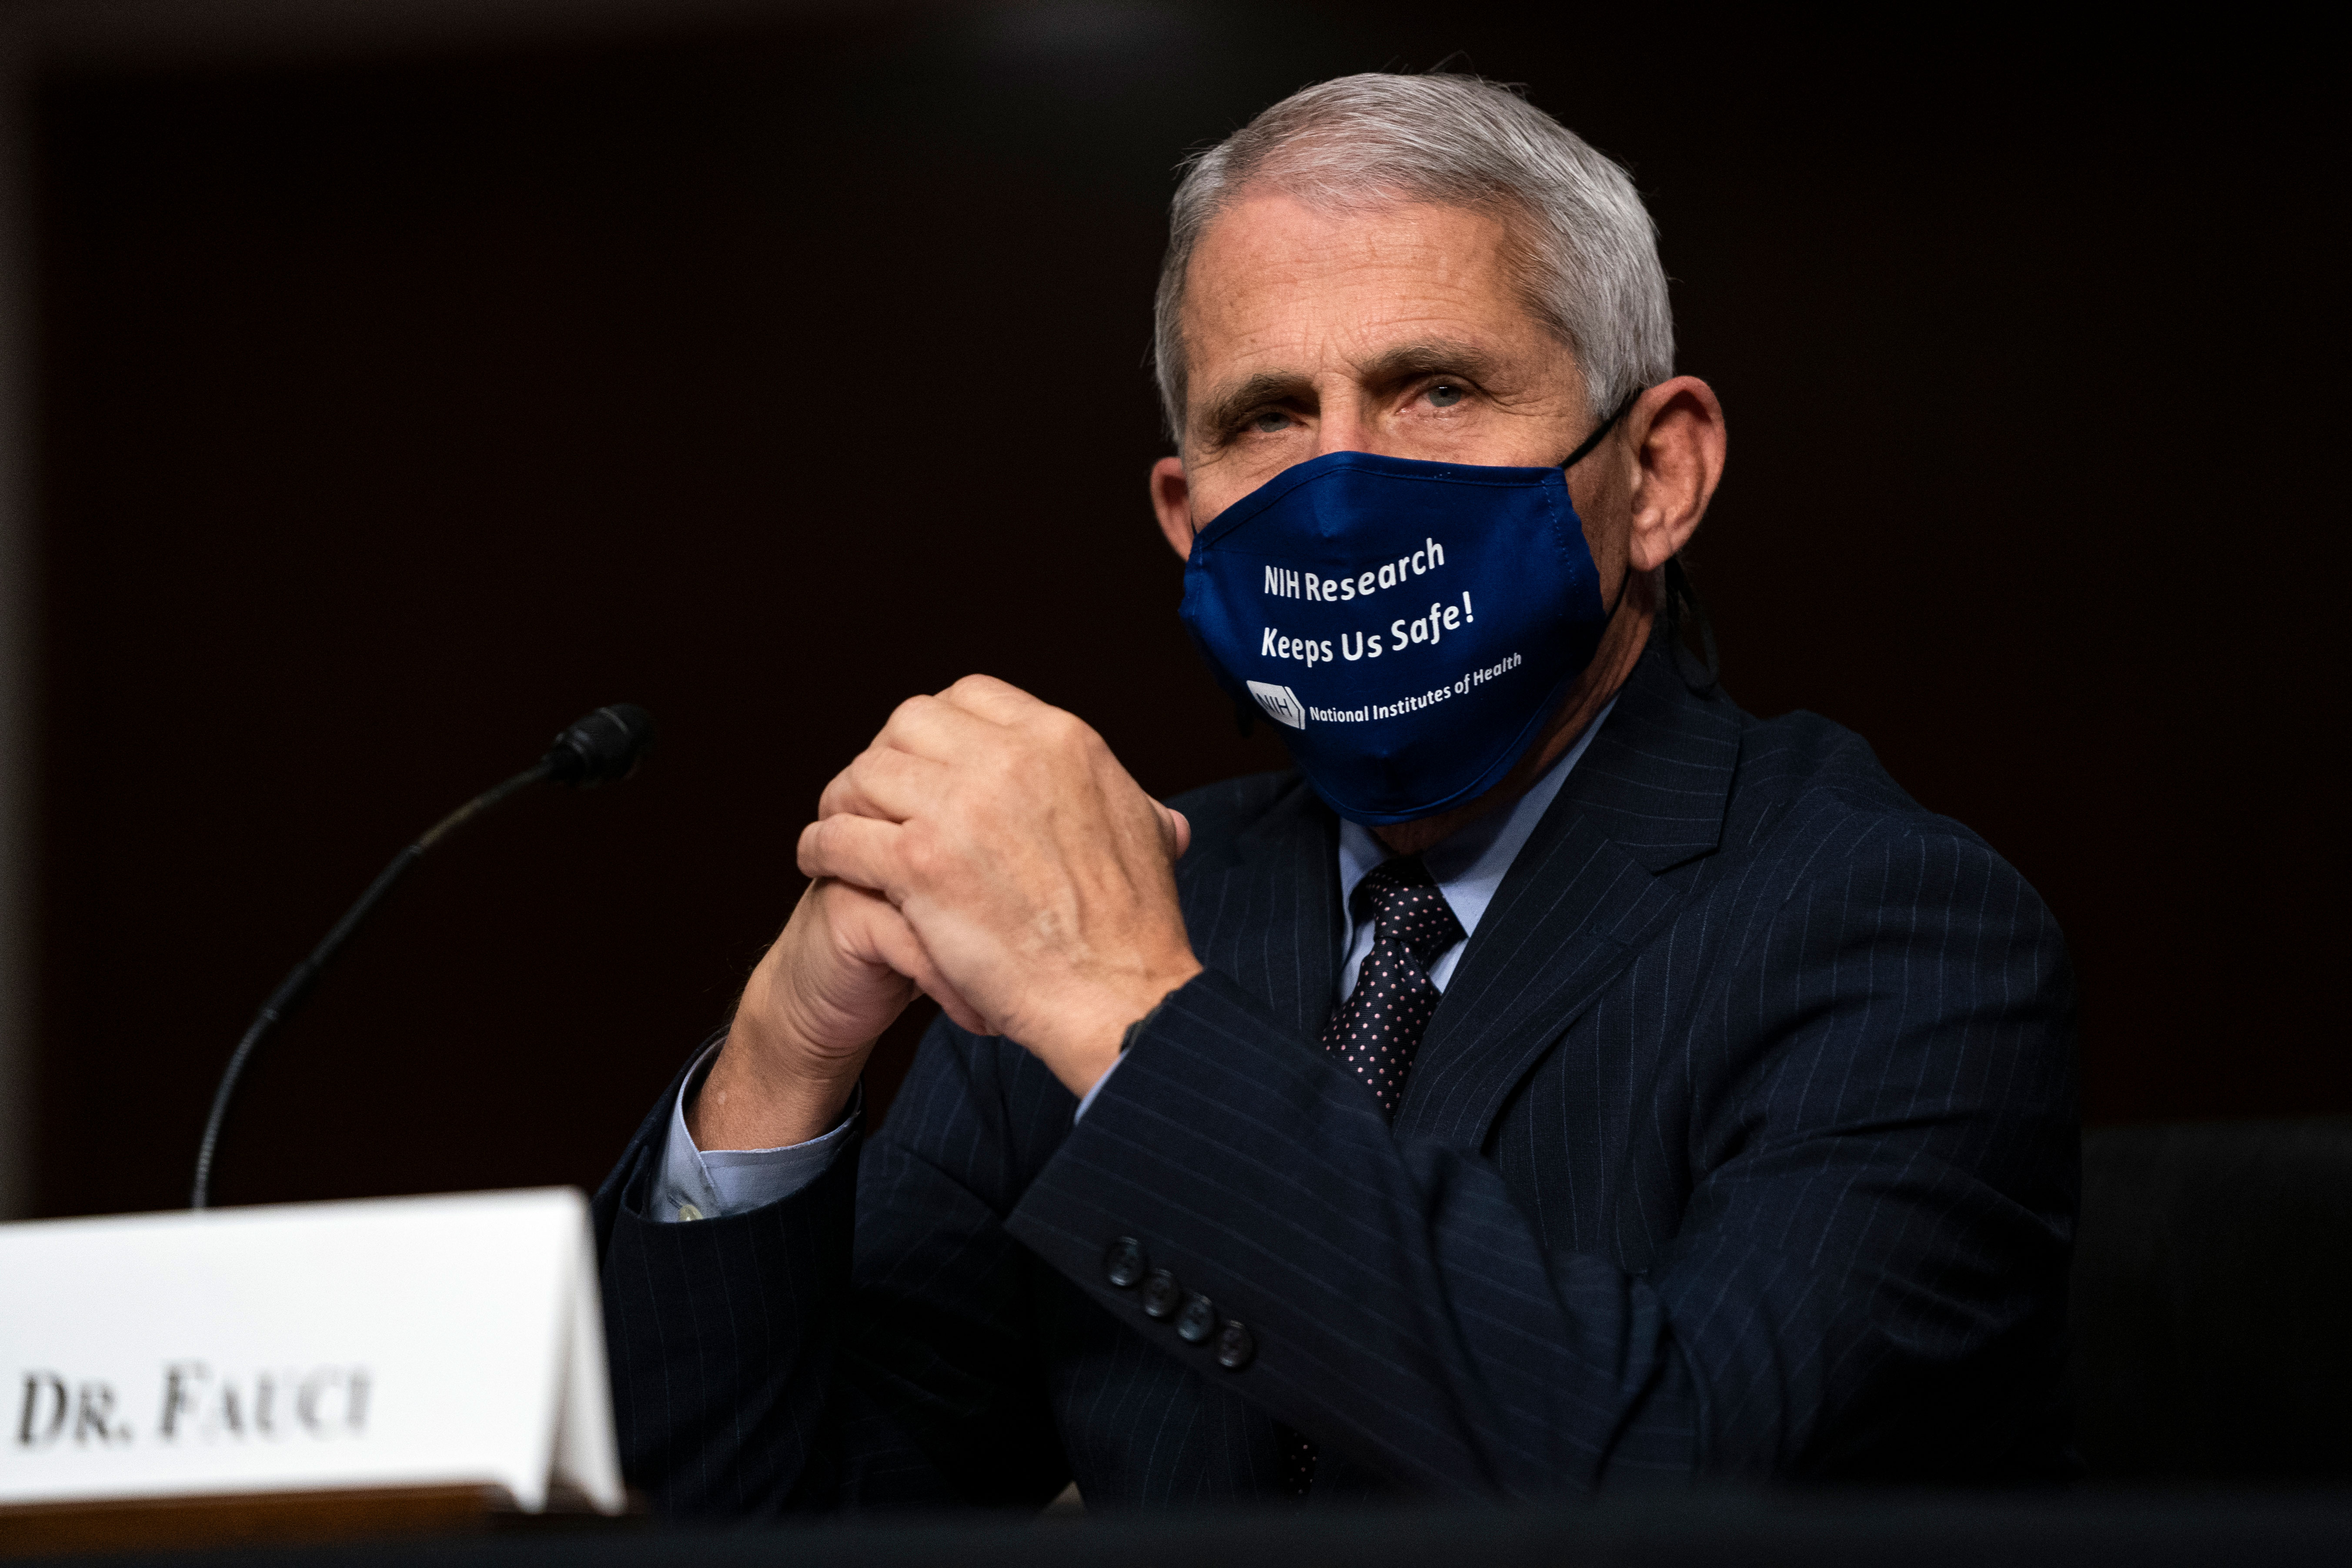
(1269, 422)
(1444, 395)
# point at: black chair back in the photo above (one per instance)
(2212, 1303)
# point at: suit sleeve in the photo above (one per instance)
(859, 1344)
(1861, 1279)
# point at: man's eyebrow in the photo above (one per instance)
(1399, 362)
(1430, 355)
(1229, 407)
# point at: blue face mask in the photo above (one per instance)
(1413, 625)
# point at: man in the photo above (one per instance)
(1562, 1081)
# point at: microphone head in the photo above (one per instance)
(605, 747)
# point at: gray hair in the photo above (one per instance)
(1591, 272)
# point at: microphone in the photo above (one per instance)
(605, 747)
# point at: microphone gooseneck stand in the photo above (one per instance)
(603, 747)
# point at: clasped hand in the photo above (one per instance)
(986, 849)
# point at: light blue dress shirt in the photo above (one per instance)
(702, 1183)
(1469, 866)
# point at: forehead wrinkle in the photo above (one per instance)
(1406, 289)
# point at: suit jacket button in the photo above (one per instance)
(1160, 1294)
(1198, 1320)
(1235, 1346)
(1123, 1262)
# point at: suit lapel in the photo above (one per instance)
(1647, 797)
(1268, 914)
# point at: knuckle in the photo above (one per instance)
(919, 851)
(1062, 729)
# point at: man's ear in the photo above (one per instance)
(1171, 501)
(1677, 432)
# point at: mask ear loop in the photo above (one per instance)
(1681, 595)
(1601, 431)
(1583, 450)
(1677, 594)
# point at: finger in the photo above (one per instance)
(952, 1004)
(875, 932)
(856, 850)
(986, 697)
(936, 730)
(1178, 829)
(887, 785)
(858, 920)
(998, 701)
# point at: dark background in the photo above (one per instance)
(395, 410)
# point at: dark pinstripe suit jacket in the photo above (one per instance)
(1742, 1142)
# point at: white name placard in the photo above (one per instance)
(402, 1341)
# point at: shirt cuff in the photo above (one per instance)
(1125, 1041)
(696, 1183)
(1085, 1104)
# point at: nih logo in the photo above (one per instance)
(1280, 702)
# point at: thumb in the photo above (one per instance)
(1175, 831)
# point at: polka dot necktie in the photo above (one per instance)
(1375, 1032)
